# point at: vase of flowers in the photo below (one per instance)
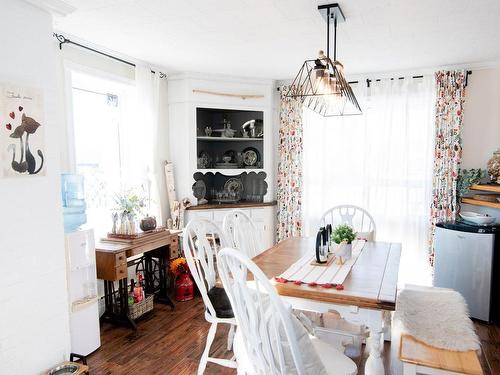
(184, 289)
(129, 207)
(343, 235)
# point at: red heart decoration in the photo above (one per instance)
(8, 126)
(281, 280)
(20, 109)
(12, 115)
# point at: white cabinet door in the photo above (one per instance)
(198, 214)
(264, 221)
(219, 216)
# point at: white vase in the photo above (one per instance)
(343, 250)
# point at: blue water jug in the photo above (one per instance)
(73, 201)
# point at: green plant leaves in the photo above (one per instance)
(343, 232)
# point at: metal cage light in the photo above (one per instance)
(320, 83)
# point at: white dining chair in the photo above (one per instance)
(242, 233)
(201, 240)
(358, 218)
(269, 339)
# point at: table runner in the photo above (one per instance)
(303, 272)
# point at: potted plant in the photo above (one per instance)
(343, 235)
(466, 178)
(184, 290)
(129, 206)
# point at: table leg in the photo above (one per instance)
(374, 364)
(116, 304)
(149, 276)
(387, 325)
(162, 296)
(373, 319)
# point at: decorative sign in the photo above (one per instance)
(22, 140)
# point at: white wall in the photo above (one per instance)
(481, 118)
(34, 327)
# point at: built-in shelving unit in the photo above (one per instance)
(478, 202)
(242, 148)
(198, 106)
(486, 187)
(491, 188)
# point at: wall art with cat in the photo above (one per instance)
(22, 141)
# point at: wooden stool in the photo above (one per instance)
(418, 357)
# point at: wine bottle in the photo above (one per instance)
(138, 290)
(131, 293)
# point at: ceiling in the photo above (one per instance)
(272, 38)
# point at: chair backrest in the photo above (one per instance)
(357, 217)
(263, 321)
(201, 240)
(242, 233)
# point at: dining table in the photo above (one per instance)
(367, 296)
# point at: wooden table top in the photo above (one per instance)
(372, 282)
(156, 239)
(215, 206)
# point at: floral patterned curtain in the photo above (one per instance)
(450, 97)
(289, 184)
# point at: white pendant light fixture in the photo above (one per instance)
(320, 83)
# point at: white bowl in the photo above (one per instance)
(476, 218)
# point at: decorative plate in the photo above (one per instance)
(234, 185)
(199, 189)
(251, 156)
(203, 159)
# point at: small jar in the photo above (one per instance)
(494, 167)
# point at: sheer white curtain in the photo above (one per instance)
(146, 138)
(381, 161)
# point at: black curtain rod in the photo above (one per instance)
(63, 40)
(368, 81)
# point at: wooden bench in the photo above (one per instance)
(418, 357)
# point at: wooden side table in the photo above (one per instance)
(113, 260)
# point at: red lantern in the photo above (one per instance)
(183, 288)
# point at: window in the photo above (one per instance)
(381, 161)
(102, 127)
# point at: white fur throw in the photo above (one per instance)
(436, 316)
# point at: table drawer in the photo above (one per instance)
(111, 266)
(121, 271)
(174, 252)
(120, 258)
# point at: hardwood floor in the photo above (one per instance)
(171, 342)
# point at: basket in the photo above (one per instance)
(140, 308)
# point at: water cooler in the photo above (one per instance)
(81, 270)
